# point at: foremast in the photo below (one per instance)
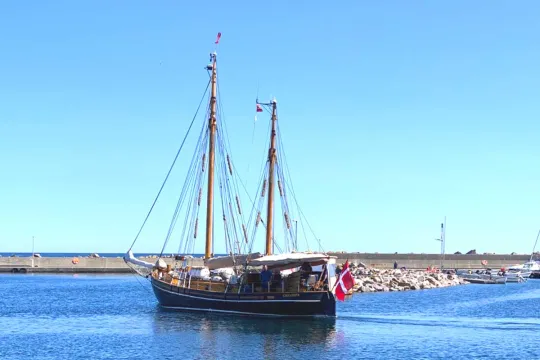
(272, 157)
(210, 161)
(212, 126)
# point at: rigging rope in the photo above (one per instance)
(170, 169)
(285, 207)
(288, 174)
(196, 180)
(231, 194)
(192, 177)
(258, 209)
(197, 155)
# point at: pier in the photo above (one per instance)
(381, 261)
(422, 261)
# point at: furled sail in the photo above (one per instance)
(230, 261)
(292, 260)
(130, 258)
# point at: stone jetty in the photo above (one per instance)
(377, 280)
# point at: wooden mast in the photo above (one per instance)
(212, 125)
(272, 161)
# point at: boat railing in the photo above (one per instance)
(253, 285)
(283, 285)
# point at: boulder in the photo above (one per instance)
(377, 280)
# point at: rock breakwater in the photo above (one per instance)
(376, 280)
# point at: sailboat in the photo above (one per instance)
(289, 283)
(530, 268)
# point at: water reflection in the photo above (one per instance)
(211, 326)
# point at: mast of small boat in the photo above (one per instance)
(534, 247)
(212, 125)
(272, 163)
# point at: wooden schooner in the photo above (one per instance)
(290, 283)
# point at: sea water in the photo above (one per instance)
(117, 317)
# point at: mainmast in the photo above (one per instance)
(272, 161)
(212, 125)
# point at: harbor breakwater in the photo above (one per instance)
(377, 280)
(371, 260)
(423, 261)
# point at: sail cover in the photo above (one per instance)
(130, 258)
(229, 261)
(291, 259)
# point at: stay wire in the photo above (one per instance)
(191, 176)
(288, 174)
(170, 169)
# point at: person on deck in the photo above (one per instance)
(277, 279)
(306, 268)
(266, 276)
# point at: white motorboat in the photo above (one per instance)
(516, 277)
(491, 281)
(524, 270)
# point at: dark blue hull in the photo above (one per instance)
(302, 304)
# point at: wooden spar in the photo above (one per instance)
(211, 159)
(272, 160)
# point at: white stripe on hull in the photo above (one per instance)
(241, 312)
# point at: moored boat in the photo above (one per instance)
(511, 277)
(530, 269)
(492, 281)
(525, 269)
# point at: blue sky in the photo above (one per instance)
(394, 114)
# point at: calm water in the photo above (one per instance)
(117, 317)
